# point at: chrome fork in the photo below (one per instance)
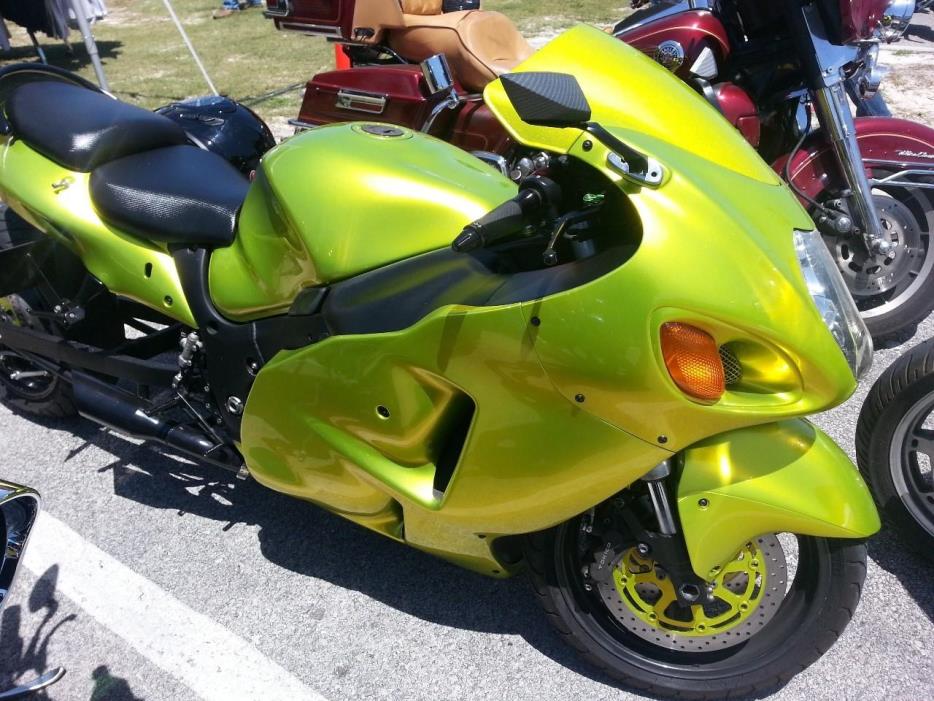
(833, 110)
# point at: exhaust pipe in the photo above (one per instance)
(19, 507)
(124, 413)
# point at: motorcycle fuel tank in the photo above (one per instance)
(343, 199)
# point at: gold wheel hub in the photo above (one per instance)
(739, 599)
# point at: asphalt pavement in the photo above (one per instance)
(152, 578)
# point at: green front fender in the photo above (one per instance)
(780, 477)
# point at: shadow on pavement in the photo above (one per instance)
(913, 571)
(920, 33)
(110, 688)
(17, 657)
(405, 579)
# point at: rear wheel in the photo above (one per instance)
(23, 385)
(895, 445)
(771, 612)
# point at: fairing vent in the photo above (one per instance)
(732, 370)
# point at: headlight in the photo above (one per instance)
(896, 18)
(833, 300)
(872, 73)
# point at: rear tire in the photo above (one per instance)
(54, 398)
(817, 607)
(899, 402)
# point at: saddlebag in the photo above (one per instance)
(394, 94)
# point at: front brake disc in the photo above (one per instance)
(742, 597)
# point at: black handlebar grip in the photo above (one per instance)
(506, 220)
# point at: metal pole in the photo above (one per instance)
(91, 45)
(194, 54)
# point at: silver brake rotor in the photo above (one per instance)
(868, 275)
(768, 602)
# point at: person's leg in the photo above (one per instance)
(228, 8)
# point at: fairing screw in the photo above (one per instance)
(663, 439)
(643, 548)
(235, 405)
(535, 321)
(579, 398)
(587, 145)
(703, 503)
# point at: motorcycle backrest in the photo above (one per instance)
(422, 7)
(363, 21)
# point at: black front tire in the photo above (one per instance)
(818, 606)
(906, 384)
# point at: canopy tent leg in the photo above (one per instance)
(35, 43)
(85, 29)
(191, 49)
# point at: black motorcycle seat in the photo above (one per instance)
(81, 129)
(175, 195)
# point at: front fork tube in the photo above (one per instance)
(668, 546)
(655, 481)
(833, 110)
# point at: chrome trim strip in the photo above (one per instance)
(368, 103)
(312, 29)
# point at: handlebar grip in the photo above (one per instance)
(506, 220)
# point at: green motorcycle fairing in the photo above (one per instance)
(479, 422)
(780, 477)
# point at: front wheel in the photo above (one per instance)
(893, 291)
(770, 613)
(895, 445)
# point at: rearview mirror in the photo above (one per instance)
(547, 99)
(19, 507)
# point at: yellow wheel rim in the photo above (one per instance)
(740, 598)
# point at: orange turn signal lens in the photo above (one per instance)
(693, 361)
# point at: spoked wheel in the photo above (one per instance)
(895, 445)
(767, 614)
(892, 290)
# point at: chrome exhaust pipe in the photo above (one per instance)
(19, 507)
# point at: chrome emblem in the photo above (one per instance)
(670, 54)
(916, 154)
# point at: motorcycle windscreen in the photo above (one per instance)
(628, 90)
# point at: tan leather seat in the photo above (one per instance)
(478, 45)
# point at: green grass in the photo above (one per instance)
(146, 61)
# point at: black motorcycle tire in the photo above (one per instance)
(55, 400)
(816, 609)
(904, 384)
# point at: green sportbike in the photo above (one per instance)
(597, 375)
